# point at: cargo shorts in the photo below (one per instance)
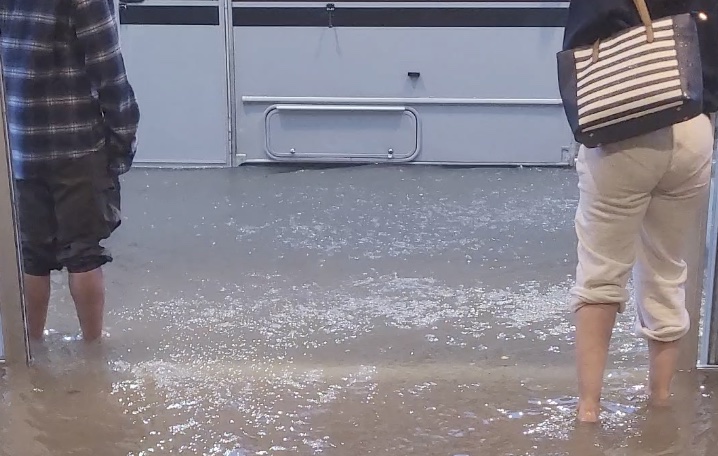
(66, 209)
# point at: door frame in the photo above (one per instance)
(148, 14)
(15, 347)
(227, 21)
(708, 352)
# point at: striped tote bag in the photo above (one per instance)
(633, 83)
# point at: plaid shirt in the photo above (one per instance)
(67, 92)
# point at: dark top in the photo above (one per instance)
(591, 20)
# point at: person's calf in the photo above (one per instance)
(594, 325)
(37, 301)
(663, 358)
(88, 292)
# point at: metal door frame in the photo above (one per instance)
(14, 341)
(227, 20)
(708, 354)
(224, 13)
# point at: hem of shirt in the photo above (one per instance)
(20, 162)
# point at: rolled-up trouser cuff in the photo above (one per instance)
(664, 334)
(608, 294)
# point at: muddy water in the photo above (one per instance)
(354, 311)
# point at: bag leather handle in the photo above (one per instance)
(645, 18)
(645, 15)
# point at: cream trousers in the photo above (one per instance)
(638, 201)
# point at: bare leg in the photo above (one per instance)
(37, 300)
(88, 292)
(594, 326)
(663, 360)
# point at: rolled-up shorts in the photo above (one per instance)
(639, 204)
(66, 209)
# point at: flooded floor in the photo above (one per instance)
(349, 311)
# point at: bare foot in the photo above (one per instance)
(37, 345)
(588, 413)
(662, 399)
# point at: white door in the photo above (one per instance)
(176, 62)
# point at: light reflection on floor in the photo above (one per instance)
(351, 311)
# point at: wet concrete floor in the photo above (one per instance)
(350, 311)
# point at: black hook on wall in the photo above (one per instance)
(330, 12)
(125, 3)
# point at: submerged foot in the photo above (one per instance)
(660, 399)
(588, 412)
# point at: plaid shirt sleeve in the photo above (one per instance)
(98, 35)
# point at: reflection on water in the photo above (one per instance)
(64, 405)
(77, 403)
(347, 312)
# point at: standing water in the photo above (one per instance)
(349, 311)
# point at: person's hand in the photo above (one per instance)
(119, 158)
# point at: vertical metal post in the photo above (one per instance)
(708, 356)
(696, 261)
(15, 346)
(227, 21)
